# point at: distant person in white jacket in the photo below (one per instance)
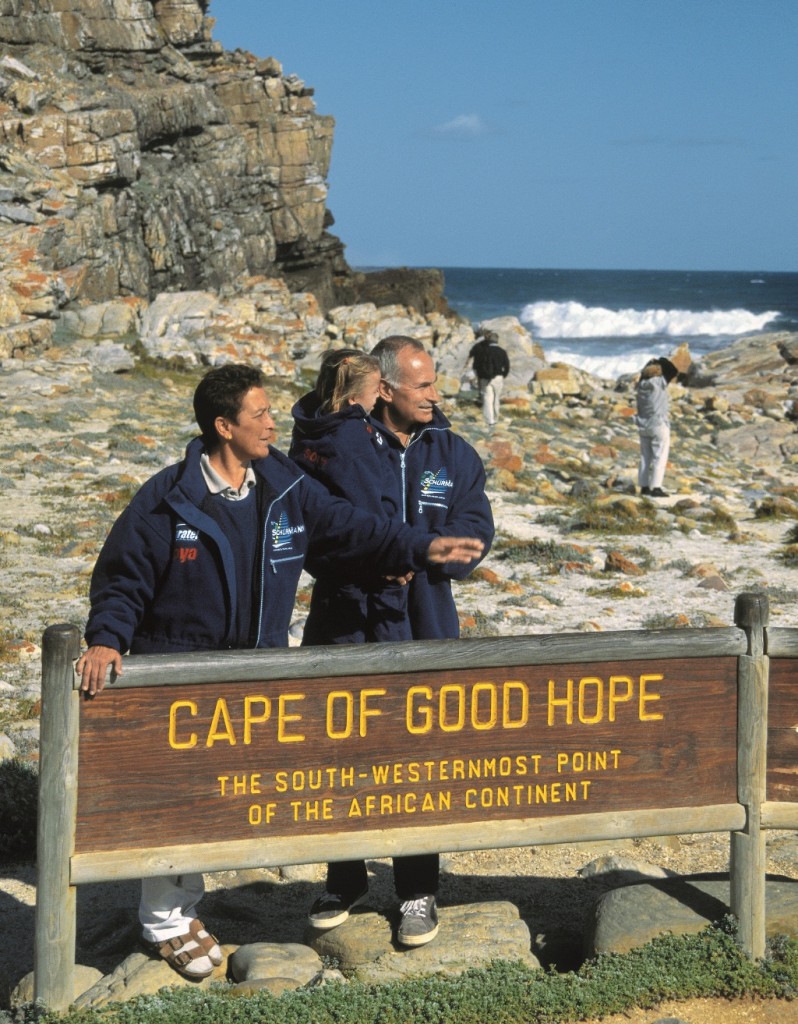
(653, 424)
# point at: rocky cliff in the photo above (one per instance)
(138, 157)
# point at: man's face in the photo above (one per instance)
(254, 431)
(413, 401)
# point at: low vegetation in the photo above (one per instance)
(18, 796)
(623, 515)
(707, 965)
(547, 554)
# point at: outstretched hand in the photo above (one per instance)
(93, 666)
(454, 549)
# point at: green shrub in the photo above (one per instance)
(547, 553)
(18, 801)
(707, 965)
(722, 520)
(620, 516)
(774, 508)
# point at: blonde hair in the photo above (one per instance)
(342, 375)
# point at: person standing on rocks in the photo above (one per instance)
(181, 571)
(491, 365)
(653, 424)
(441, 482)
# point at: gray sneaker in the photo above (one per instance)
(332, 909)
(419, 921)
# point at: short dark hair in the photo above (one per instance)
(220, 393)
(387, 351)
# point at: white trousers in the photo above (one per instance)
(654, 449)
(491, 392)
(168, 904)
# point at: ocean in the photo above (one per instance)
(610, 322)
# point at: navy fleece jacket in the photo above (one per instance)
(348, 454)
(165, 578)
(441, 481)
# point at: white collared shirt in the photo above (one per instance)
(217, 485)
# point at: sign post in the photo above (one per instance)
(747, 859)
(54, 941)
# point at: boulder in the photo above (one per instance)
(634, 914)
(275, 960)
(83, 979)
(140, 975)
(469, 936)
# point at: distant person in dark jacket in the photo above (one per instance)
(491, 366)
(441, 483)
(653, 424)
(184, 569)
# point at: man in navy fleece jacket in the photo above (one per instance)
(440, 479)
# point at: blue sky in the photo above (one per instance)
(650, 134)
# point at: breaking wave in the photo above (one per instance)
(573, 320)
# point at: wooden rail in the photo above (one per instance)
(527, 740)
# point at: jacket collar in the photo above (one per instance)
(278, 471)
(439, 422)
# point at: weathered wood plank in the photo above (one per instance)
(748, 859)
(54, 940)
(147, 861)
(782, 642)
(363, 659)
(780, 815)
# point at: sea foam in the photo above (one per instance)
(573, 320)
(607, 365)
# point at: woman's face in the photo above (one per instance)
(368, 393)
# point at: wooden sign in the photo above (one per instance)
(782, 752)
(161, 766)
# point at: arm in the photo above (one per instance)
(469, 515)
(123, 583)
(345, 537)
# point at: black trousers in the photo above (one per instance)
(412, 876)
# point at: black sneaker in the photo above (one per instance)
(419, 921)
(645, 490)
(659, 493)
(330, 909)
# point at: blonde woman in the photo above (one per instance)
(335, 441)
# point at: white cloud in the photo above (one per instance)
(469, 125)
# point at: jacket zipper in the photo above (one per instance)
(272, 561)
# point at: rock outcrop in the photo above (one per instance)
(137, 156)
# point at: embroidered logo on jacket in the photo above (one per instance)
(435, 485)
(283, 533)
(186, 538)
